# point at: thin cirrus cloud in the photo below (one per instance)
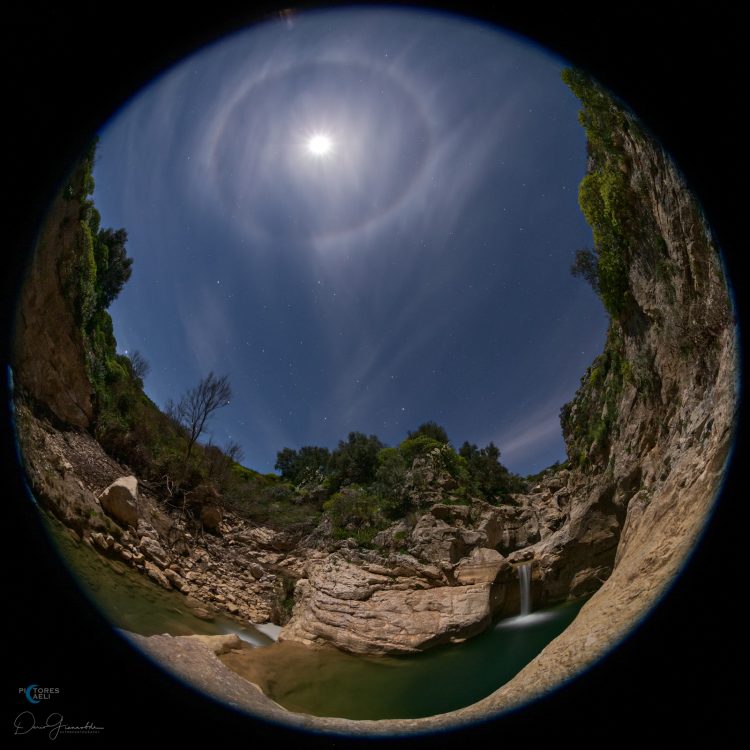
(532, 435)
(417, 271)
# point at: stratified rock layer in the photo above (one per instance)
(391, 608)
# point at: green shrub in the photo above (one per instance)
(355, 513)
(431, 430)
(418, 446)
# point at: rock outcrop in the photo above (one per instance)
(367, 604)
(461, 553)
(481, 566)
(49, 357)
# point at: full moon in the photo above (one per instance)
(320, 145)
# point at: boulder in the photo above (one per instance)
(204, 494)
(156, 575)
(211, 517)
(153, 551)
(481, 566)
(120, 501)
(360, 611)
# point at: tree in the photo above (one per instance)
(431, 430)
(489, 476)
(234, 452)
(586, 266)
(306, 465)
(355, 461)
(287, 460)
(113, 266)
(193, 410)
(389, 482)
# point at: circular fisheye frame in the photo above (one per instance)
(374, 372)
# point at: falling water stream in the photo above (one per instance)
(524, 581)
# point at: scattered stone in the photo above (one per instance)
(154, 551)
(175, 579)
(256, 570)
(199, 609)
(146, 529)
(100, 541)
(156, 575)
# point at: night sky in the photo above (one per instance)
(366, 218)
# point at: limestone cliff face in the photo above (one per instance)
(655, 413)
(647, 434)
(49, 357)
(648, 440)
(659, 463)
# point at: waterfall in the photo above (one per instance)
(524, 581)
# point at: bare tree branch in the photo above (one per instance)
(193, 410)
(233, 451)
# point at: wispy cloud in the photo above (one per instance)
(384, 284)
(205, 324)
(532, 435)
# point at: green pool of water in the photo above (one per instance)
(327, 682)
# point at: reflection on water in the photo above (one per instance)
(327, 682)
(524, 621)
(132, 602)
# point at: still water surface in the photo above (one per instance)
(327, 682)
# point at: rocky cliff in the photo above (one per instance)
(48, 354)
